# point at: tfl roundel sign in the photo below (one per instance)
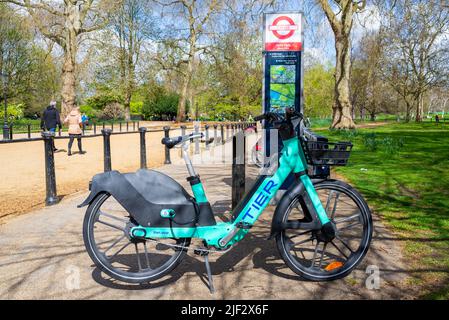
(283, 32)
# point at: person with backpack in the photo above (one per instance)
(51, 120)
(75, 122)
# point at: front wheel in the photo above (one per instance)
(106, 237)
(314, 259)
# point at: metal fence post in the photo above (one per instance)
(120, 126)
(143, 148)
(10, 131)
(197, 141)
(107, 149)
(222, 134)
(95, 128)
(183, 130)
(29, 131)
(215, 134)
(167, 150)
(238, 168)
(134, 126)
(112, 126)
(127, 126)
(207, 136)
(50, 176)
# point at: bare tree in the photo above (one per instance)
(63, 22)
(180, 52)
(341, 23)
(131, 26)
(415, 37)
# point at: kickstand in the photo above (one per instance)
(209, 274)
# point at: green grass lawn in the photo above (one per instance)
(403, 171)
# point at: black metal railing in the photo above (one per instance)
(238, 163)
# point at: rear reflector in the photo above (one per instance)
(333, 265)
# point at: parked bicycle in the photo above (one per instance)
(138, 226)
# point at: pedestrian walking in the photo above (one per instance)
(75, 122)
(85, 119)
(51, 120)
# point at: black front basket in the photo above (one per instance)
(323, 153)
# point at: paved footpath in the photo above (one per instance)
(41, 253)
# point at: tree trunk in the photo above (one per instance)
(185, 90)
(68, 92)
(407, 111)
(182, 100)
(419, 108)
(342, 109)
(70, 46)
(127, 106)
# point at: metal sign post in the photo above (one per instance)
(283, 69)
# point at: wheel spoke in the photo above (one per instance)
(111, 225)
(349, 226)
(329, 197)
(312, 265)
(335, 205)
(114, 243)
(301, 242)
(322, 255)
(113, 217)
(146, 255)
(300, 234)
(138, 257)
(339, 250)
(345, 244)
(354, 216)
(120, 250)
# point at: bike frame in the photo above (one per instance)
(225, 234)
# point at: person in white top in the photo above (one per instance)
(75, 122)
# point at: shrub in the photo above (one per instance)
(100, 101)
(15, 112)
(160, 102)
(136, 107)
(89, 111)
(113, 111)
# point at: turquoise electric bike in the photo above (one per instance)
(139, 226)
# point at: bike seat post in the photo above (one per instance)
(187, 160)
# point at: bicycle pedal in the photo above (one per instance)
(244, 225)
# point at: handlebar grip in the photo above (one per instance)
(171, 142)
(259, 118)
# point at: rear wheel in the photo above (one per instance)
(305, 251)
(106, 237)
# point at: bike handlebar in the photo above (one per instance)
(272, 117)
(172, 142)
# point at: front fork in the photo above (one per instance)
(315, 200)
